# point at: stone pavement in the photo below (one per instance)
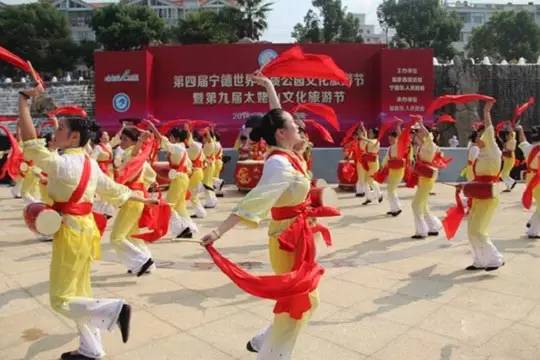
(384, 295)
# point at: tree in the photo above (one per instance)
(253, 20)
(124, 27)
(507, 35)
(203, 27)
(86, 52)
(337, 25)
(421, 23)
(40, 33)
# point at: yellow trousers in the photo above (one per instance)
(424, 221)
(479, 219)
(75, 245)
(281, 336)
(132, 252)
(218, 166)
(395, 176)
(176, 196)
(194, 182)
(508, 165)
(469, 173)
(208, 175)
(373, 190)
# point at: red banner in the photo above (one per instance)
(208, 82)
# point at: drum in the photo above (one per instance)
(247, 174)
(162, 170)
(42, 219)
(318, 183)
(479, 190)
(347, 175)
(323, 197)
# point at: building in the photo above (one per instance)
(369, 32)
(477, 14)
(79, 12)
(2, 5)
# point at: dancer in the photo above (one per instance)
(532, 191)
(131, 251)
(218, 158)
(210, 150)
(73, 181)
(370, 164)
(426, 173)
(103, 154)
(508, 138)
(282, 189)
(394, 171)
(196, 155)
(486, 171)
(182, 226)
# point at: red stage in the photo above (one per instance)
(208, 82)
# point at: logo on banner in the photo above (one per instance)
(266, 56)
(126, 76)
(121, 102)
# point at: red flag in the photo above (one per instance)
(404, 140)
(12, 165)
(324, 111)
(519, 110)
(72, 110)
(16, 61)
(445, 118)
(326, 136)
(456, 99)
(295, 63)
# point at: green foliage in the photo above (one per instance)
(421, 24)
(124, 27)
(334, 24)
(39, 33)
(507, 35)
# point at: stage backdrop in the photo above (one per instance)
(208, 82)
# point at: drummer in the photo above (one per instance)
(73, 181)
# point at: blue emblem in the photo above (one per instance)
(266, 56)
(121, 102)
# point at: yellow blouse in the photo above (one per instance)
(428, 149)
(488, 162)
(64, 173)
(280, 185)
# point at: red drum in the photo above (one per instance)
(42, 219)
(162, 169)
(247, 174)
(479, 190)
(323, 197)
(347, 175)
(318, 183)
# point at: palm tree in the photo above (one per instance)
(254, 14)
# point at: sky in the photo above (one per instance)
(287, 13)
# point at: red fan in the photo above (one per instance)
(297, 64)
(324, 111)
(349, 134)
(456, 99)
(72, 110)
(519, 110)
(387, 125)
(321, 130)
(14, 60)
(15, 158)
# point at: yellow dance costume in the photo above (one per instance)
(425, 222)
(77, 243)
(395, 176)
(280, 186)
(196, 155)
(371, 155)
(209, 150)
(132, 252)
(486, 169)
(509, 159)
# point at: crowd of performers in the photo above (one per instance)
(93, 182)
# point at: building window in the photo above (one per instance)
(478, 19)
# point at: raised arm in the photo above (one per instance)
(26, 125)
(487, 114)
(262, 80)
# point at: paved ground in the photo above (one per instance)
(384, 296)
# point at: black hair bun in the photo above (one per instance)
(256, 134)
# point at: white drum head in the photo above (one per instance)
(48, 222)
